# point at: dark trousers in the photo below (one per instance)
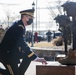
(49, 38)
(23, 66)
(13, 69)
(11, 64)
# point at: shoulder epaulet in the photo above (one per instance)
(21, 26)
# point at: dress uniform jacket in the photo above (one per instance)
(13, 45)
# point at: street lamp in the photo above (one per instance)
(33, 7)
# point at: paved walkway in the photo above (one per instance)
(44, 45)
(32, 68)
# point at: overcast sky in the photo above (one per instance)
(15, 6)
(18, 5)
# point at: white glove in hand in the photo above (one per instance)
(42, 60)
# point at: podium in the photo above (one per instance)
(55, 68)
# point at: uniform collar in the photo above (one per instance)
(21, 23)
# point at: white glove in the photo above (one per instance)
(42, 60)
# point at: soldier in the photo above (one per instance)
(13, 47)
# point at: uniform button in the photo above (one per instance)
(7, 51)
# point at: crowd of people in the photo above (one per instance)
(37, 38)
(29, 35)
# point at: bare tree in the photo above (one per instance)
(50, 8)
(10, 15)
(59, 6)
